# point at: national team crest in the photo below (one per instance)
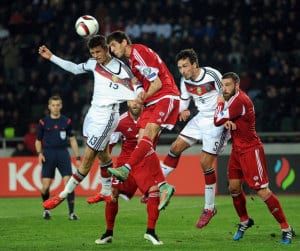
(114, 78)
(199, 90)
(63, 135)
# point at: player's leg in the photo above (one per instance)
(70, 200)
(171, 160)
(162, 114)
(207, 161)
(253, 164)
(276, 210)
(235, 177)
(111, 211)
(153, 214)
(214, 140)
(77, 177)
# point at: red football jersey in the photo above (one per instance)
(146, 65)
(127, 132)
(240, 110)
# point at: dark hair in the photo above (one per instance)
(118, 36)
(97, 40)
(55, 98)
(188, 53)
(233, 76)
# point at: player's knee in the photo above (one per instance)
(234, 189)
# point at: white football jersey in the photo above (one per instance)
(112, 82)
(204, 90)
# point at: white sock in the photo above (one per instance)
(210, 196)
(166, 169)
(106, 186)
(69, 187)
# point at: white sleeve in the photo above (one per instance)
(68, 65)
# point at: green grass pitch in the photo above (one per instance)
(23, 228)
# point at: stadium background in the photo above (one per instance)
(257, 39)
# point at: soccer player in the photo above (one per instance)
(247, 161)
(160, 98)
(127, 132)
(51, 145)
(202, 85)
(111, 81)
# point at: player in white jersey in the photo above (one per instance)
(202, 85)
(112, 85)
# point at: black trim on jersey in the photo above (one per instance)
(126, 68)
(215, 77)
(108, 70)
(105, 133)
(222, 140)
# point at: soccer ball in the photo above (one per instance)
(86, 26)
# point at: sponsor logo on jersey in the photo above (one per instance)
(146, 71)
(129, 129)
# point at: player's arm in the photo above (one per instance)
(64, 64)
(155, 86)
(230, 113)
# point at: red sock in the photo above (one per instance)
(103, 169)
(111, 210)
(143, 147)
(152, 210)
(153, 161)
(210, 177)
(171, 160)
(276, 210)
(239, 202)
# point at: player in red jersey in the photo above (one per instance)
(160, 97)
(127, 133)
(247, 161)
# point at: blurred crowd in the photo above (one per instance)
(259, 39)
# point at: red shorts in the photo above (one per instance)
(163, 113)
(250, 167)
(142, 177)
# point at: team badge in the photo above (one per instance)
(199, 90)
(161, 114)
(114, 78)
(63, 135)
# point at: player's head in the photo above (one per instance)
(230, 84)
(118, 41)
(187, 63)
(98, 48)
(134, 108)
(55, 105)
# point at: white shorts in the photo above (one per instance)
(202, 129)
(98, 126)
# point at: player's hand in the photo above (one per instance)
(141, 97)
(229, 125)
(45, 52)
(220, 99)
(184, 115)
